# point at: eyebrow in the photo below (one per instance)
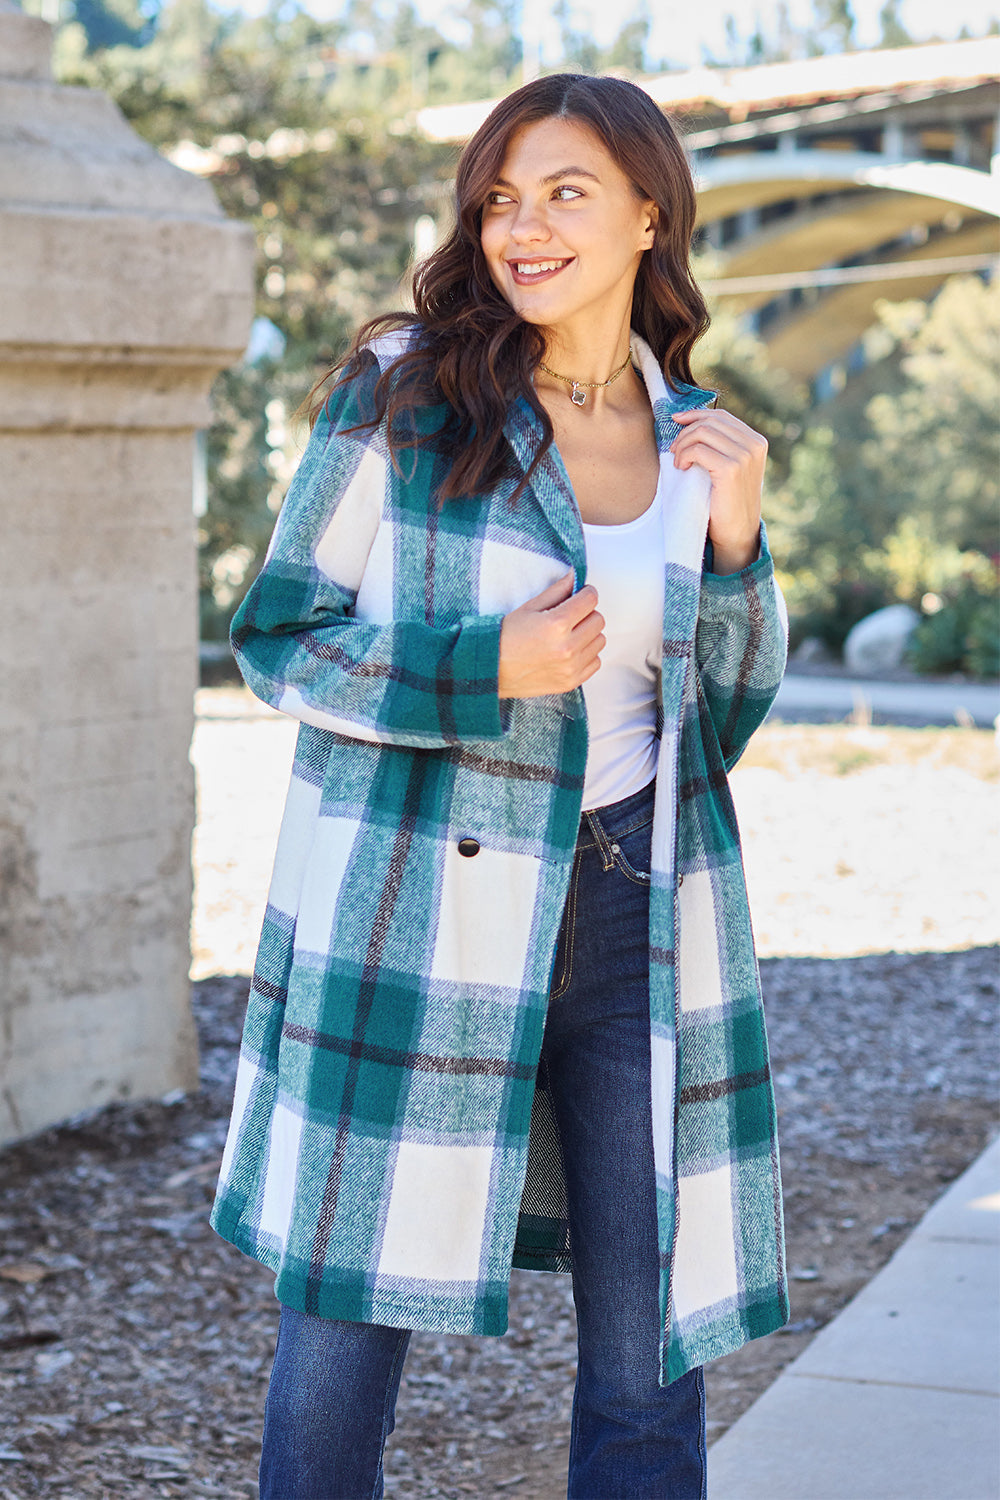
(556, 176)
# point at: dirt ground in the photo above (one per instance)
(135, 1346)
(857, 839)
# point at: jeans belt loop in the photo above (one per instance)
(601, 839)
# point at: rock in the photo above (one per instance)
(809, 650)
(878, 642)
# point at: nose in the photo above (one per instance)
(528, 226)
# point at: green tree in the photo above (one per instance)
(580, 52)
(322, 158)
(894, 496)
(833, 26)
(731, 360)
(935, 445)
(892, 32)
(488, 61)
(830, 30)
(629, 49)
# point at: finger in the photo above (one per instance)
(555, 594)
(719, 442)
(716, 460)
(735, 438)
(588, 629)
(729, 434)
(581, 604)
(708, 414)
(731, 431)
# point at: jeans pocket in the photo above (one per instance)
(632, 853)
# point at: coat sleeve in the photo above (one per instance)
(740, 649)
(295, 637)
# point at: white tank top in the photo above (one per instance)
(625, 565)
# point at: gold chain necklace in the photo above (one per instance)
(578, 395)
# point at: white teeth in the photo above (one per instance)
(535, 268)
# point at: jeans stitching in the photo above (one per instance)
(397, 1364)
(702, 1445)
(574, 1429)
(601, 841)
(569, 917)
(630, 873)
(643, 821)
(621, 859)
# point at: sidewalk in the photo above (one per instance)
(897, 1398)
(819, 697)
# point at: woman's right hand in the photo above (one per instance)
(551, 643)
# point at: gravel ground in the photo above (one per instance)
(135, 1346)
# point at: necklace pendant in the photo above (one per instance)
(578, 397)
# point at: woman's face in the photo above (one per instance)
(563, 231)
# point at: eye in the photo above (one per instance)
(497, 197)
(565, 193)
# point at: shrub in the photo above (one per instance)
(963, 634)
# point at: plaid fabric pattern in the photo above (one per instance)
(378, 1153)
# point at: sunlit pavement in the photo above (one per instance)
(868, 857)
(899, 1397)
(891, 702)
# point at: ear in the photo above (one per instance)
(651, 220)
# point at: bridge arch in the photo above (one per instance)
(916, 220)
(732, 184)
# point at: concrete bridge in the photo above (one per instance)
(827, 183)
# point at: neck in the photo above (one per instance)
(597, 395)
(588, 353)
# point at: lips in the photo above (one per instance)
(532, 272)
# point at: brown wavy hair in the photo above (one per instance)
(474, 354)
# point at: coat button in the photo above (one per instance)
(468, 847)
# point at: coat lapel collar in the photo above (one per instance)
(666, 400)
(685, 508)
(550, 483)
(685, 523)
(554, 492)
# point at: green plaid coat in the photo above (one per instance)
(388, 1157)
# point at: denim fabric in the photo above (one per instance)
(333, 1389)
(631, 1437)
(330, 1408)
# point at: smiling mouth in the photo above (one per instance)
(530, 272)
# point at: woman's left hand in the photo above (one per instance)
(734, 456)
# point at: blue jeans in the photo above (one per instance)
(333, 1388)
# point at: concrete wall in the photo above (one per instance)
(123, 291)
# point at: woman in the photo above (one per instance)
(485, 1030)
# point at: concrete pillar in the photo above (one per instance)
(964, 147)
(897, 139)
(123, 290)
(748, 222)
